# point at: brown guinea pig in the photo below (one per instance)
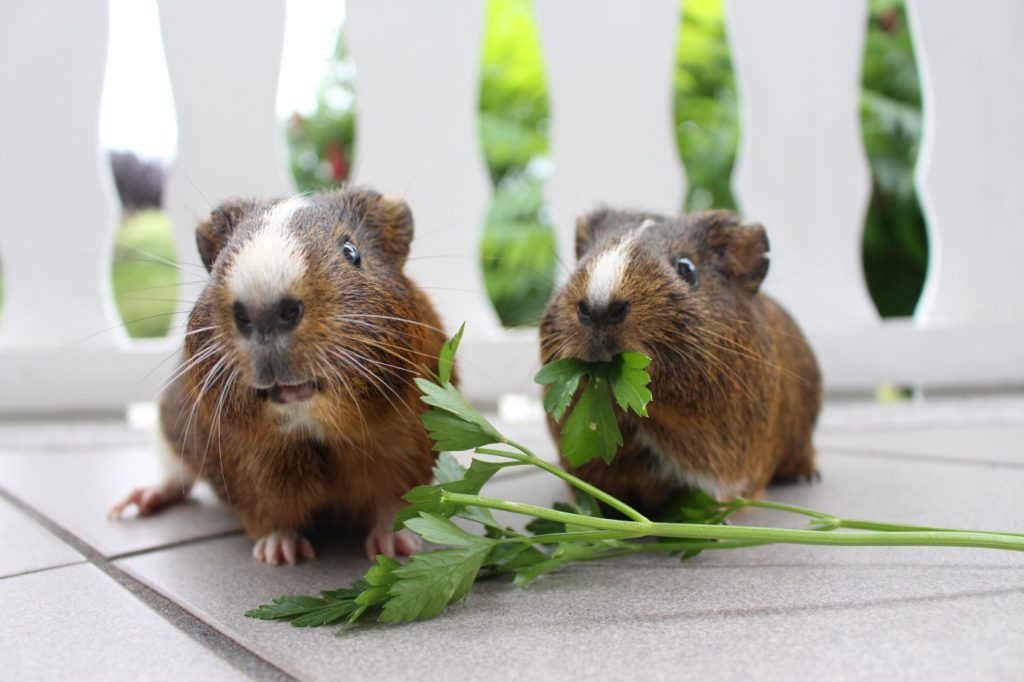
(736, 387)
(295, 398)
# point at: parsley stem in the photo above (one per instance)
(834, 522)
(578, 483)
(750, 533)
(581, 536)
(743, 502)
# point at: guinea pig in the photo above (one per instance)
(736, 386)
(294, 398)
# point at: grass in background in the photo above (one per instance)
(518, 250)
(145, 283)
(895, 244)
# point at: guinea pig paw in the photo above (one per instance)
(148, 500)
(382, 540)
(283, 546)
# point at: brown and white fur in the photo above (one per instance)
(736, 387)
(294, 398)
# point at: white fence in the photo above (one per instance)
(801, 171)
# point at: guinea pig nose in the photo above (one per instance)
(583, 312)
(289, 312)
(616, 312)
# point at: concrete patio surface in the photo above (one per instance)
(163, 598)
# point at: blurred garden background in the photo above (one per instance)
(518, 250)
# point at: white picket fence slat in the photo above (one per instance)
(969, 175)
(801, 171)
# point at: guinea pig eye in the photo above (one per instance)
(351, 253)
(687, 270)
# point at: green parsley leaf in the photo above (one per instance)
(591, 430)
(303, 611)
(446, 359)
(433, 580)
(448, 469)
(439, 530)
(564, 375)
(629, 382)
(427, 498)
(445, 430)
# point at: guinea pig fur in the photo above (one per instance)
(295, 399)
(736, 387)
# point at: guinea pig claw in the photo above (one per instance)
(285, 546)
(382, 540)
(148, 500)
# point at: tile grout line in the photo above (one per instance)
(33, 571)
(235, 654)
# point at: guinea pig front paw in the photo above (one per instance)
(283, 546)
(149, 500)
(383, 540)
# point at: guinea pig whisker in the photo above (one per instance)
(208, 381)
(374, 380)
(175, 285)
(381, 363)
(153, 258)
(759, 325)
(698, 346)
(393, 318)
(200, 330)
(225, 386)
(397, 352)
(203, 354)
(122, 325)
(734, 346)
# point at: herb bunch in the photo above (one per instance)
(392, 592)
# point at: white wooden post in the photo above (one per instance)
(416, 98)
(609, 66)
(417, 136)
(56, 191)
(801, 168)
(223, 59)
(969, 177)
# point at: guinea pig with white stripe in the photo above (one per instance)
(736, 386)
(294, 398)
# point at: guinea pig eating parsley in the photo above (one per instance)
(294, 398)
(736, 387)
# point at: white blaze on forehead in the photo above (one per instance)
(271, 261)
(607, 269)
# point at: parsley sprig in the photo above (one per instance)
(592, 430)
(392, 592)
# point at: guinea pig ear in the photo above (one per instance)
(741, 247)
(589, 228)
(397, 226)
(214, 232)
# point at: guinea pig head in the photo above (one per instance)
(661, 285)
(305, 296)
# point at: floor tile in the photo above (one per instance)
(781, 612)
(27, 546)
(602, 622)
(77, 623)
(926, 493)
(76, 489)
(68, 434)
(997, 444)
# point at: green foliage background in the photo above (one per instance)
(518, 247)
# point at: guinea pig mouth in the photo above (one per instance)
(288, 393)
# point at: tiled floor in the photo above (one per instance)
(163, 598)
